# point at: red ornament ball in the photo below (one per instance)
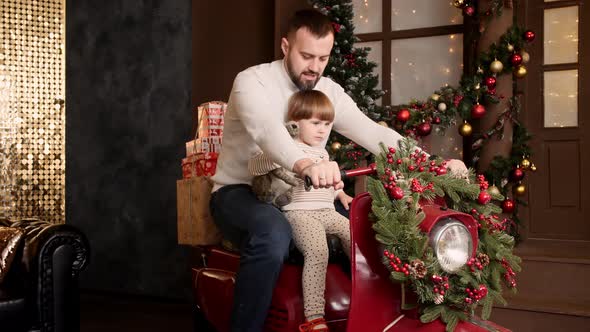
(436, 120)
(396, 192)
(517, 174)
(469, 10)
(508, 205)
(516, 59)
(529, 35)
(490, 82)
(403, 115)
(424, 129)
(441, 171)
(478, 111)
(484, 197)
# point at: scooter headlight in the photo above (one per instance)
(452, 244)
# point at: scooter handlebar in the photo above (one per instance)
(371, 169)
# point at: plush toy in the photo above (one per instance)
(275, 186)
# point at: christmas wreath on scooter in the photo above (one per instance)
(448, 279)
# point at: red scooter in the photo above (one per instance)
(364, 301)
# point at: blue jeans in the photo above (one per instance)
(263, 235)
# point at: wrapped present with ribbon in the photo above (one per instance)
(206, 163)
(210, 116)
(203, 145)
(199, 164)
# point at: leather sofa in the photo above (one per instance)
(39, 289)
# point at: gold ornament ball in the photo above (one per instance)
(510, 47)
(435, 97)
(520, 189)
(383, 123)
(520, 71)
(526, 57)
(496, 66)
(533, 168)
(458, 3)
(465, 129)
(525, 163)
(493, 190)
(336, 146)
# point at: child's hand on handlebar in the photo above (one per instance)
(344, 199)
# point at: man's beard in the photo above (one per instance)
(302, 84)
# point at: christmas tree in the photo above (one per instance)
(350, 68)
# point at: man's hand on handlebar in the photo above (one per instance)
(324, 174)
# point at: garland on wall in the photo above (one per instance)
(350, 68)
(451, 293)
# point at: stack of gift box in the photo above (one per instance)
(202, 152)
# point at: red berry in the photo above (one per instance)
(484, 198)
(396, 192)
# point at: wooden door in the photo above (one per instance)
(553, 291)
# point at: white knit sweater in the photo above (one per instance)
(255, 118)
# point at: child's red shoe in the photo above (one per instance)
(311, 325)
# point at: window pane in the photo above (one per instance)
(419, 66)
(423, 13)
(561, 35)
(368, 16)
(375, 55)
(561, 98)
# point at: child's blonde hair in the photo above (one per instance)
(306, 104)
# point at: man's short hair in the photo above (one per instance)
(317, 23)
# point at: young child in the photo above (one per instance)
(311, 213)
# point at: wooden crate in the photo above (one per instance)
(194, 221)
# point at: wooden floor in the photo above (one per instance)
(114, 313)
(124, 313)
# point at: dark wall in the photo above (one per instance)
(128, 77)
(129, 70)
(228, 37)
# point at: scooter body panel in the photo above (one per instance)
(369, 302)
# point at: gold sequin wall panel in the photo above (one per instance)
(32, 61)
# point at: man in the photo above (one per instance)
(254, 121)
